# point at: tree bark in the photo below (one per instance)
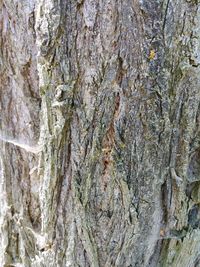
(99, 130)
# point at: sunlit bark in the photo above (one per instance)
(99, 131)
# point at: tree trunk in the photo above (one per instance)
(100, 133)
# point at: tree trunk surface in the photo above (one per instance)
(100, 133)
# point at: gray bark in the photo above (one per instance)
(99, 133)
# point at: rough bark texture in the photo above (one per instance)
(99, 129)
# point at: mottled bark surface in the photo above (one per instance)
(99, 129)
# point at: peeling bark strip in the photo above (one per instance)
(102, 101)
